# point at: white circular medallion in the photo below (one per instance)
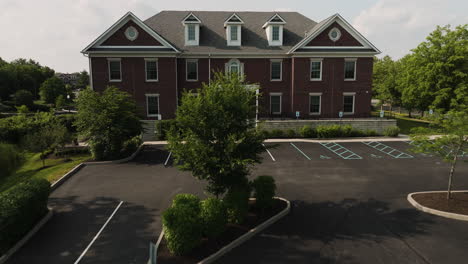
(131, 33)
(334, 34)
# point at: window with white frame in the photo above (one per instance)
(115, 71)
(192, 70)
(152, 105)
(315, 69)
(233, 34)
(191, 32)
(275, 34)
(348, 103)
(275, 103)
(350, 69)
(151, 68)
(276, 70)
(315, 100)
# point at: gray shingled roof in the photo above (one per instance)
(213, 35)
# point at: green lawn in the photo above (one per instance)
(32, 167)
(405, 123)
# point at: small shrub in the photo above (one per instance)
(22, 109)
(163, 127)
(214, 217)
(307, 132)
(237, 204)
(290, 133)
(331, 131)
(265, 133)
(264, 189)
(370, 133)
(130, 146)
(190, 200)
(391, 132)
(21, 207)
(277, 133)
(10, 159)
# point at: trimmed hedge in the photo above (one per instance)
(322, 131)
(307, 132)
(214, 217)
(264, 189)
(391, 132)
(21, 207)
(10, 159)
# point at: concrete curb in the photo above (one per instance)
(248, 235)
(28, 236)
(279, 140)
(434, 211)
(67, 175)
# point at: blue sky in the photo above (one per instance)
(54, 32)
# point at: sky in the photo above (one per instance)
(54, 32)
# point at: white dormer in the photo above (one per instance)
(192, 30)
(274, 30)
(233, 27)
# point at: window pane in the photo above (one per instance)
(315, 69)
(151, 70)
(315, 104)
(234, 68)
(275, 103)
(276, 70)
(192, 70)
(191, 32)
(233, 32)
(348, 101)
(275, 33)
(349, 69)
(153, 105)
(114, 70)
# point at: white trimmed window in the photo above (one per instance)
(115, 70)
(192, 70)
(151, 70)
(316, 69)
(275, 103)
(192, 34)
(234, 66)
(348, 103)
(275, 33)
(315, 103)
(152, 105)
(350, 69)
(276, 70)
(233, 35)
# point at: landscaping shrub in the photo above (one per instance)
(307, 132)
(331, 131)
(131, 145)
(214, 217)
(237, 204)
(277, 133)
(290, 133)
(14, 128)
(264, 189)
(265, 133)
(21, 207)
(163, 127)
(391, 132)
(22, 109)
(68, 121)
(370, 133)
(10, 159)
(182, 224)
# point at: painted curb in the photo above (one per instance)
(249, 234)
(434, 211)
(28, 236)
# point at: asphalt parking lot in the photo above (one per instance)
(348, 206)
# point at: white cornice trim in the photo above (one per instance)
(274, 23)
(226, 22)
(191, 22)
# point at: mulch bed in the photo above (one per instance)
(458, 203)
(208, 247)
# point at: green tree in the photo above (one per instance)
(385, 80)
(83, 80)
(60, 102)
(216, 138)
(51, 89)
(107, 120)
(451, 145)
(24, 97)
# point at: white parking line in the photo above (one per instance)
(98, 233)
(167, 160)
(272, 158)
(300, 151)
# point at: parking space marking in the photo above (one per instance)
(98, 233)
(269, 153)
(167, 160)
(300, 151)
(392, 152)
(341, 151)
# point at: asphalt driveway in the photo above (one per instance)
(348, 206)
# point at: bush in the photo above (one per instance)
(23, 109)
(24, 97)
(391, 132)
(370, 133)
(14, 128)
(21, 207)
(68, 121)
(182, 224)
(237, 204)
(265, 133)
(131, 145)
(290, 133)
(264, 189)
(10, 159)
(51, 89)
(307, 132)
(214, 217)
(331, 131)
(163, 127)
(277, 133)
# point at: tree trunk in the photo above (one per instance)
(452, 170)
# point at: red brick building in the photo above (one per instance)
(316, 69)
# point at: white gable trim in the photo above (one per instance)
(191, 22)
(343, 23)
(277, 23)
(117, 25)
(233, 23)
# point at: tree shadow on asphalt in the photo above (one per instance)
(152, 155)
(75, 223)
(331, 232)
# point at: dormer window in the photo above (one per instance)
(192, 30)
(274, 30)
(233, 27)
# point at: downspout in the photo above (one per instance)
(90, 71)
(176, 82)
(292, 86)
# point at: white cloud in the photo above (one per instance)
(396, 26)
